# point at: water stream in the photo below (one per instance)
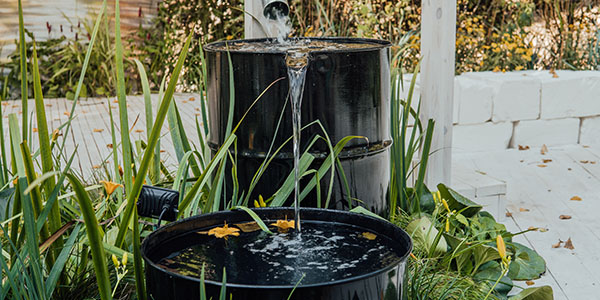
(296, 61)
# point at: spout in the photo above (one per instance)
(273, 8)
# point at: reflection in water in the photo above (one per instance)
(42, 15)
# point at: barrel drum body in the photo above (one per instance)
(346, 93)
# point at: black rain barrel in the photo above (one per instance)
(387, 282)
(347, 90)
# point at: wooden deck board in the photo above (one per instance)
(546, 193)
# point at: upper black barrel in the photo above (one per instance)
(347, 90)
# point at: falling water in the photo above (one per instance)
(296, 61)
(280, 26)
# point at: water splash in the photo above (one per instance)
(296, 61)
(280, 27)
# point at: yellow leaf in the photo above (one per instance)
(224, 232)
(575, 198)
(284, 225)
(248, 226)
(369, 236)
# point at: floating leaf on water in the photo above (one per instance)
(224, 232)
(569, 244)
(248, 226)
(284, 225)
(369, 235)
(564, 217)
(575, 198)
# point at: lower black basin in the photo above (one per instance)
(368, 261)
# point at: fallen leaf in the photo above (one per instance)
(49, 105)
(369, 236)
(163, 151)
(113, 107)
(586, 146)
(98, 129)
(84, 111)
(96, 166)
(575, 198)
(481, 172)
(557, 245)
(248, 226)
(521, 160)
(593, 162)
(569, 244)
(197, 114)
(569, 169)
(532, 228)
(66, 113)
(508, 214)
(192, 99)
(523, 147)
(564, 217)
(224, 232)
(521, 209)
(546, 160)
(529, 282)
(197, 108)
(544, 149)
(184, 101)
(584, 161)
(139, 131)
(543, 229)
(542, 166)
(116, 101)
(34, 129)
(5, 103)
(284, 225)
(109, 146)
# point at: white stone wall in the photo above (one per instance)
(503, 110)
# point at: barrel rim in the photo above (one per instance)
(377, 45)
(223, 214)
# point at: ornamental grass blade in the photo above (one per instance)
(133, 194)
(94, 238)
(61, 260)
(254, 217)
(23, 67)
(54, 220)
(155, 166)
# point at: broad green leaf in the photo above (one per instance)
(489, 273)
(526, 264)
(535, 293)
(424, 235)
(459, 202)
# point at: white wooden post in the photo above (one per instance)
(252, 28)
(438, 38)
